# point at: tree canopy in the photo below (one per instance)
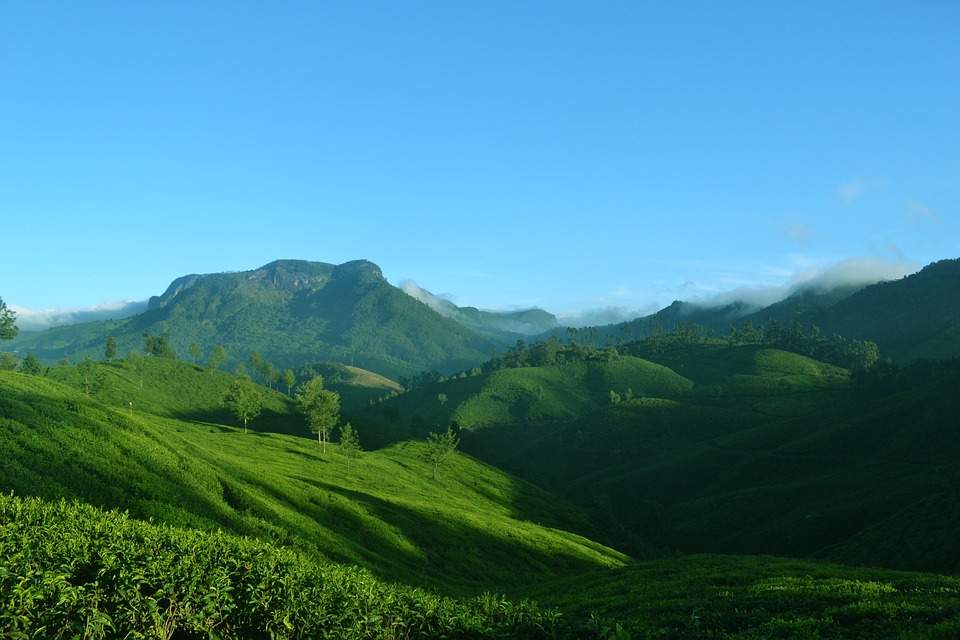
(320, 406)
(8, 322)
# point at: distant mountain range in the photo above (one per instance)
(914, 317)
(297, 312)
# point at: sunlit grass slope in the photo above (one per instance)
(528, 395)
(473, 527)
(177, 389)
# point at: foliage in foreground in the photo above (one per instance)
(70, 570)
(759, 597)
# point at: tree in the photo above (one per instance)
(135, 362)
(440, 446)
(270, 374)
(8, 361)
(349, 443)
(289, 379)
(195, 352)
(110, 349)
(257, 362)
(442, 398)
(91, 378)
(8, 322)
(244, 400)
(217, 357)
(31, 365)
(321, 407)
(158, 346)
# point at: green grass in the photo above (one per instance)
(760, 451)
(528, 395)
(72, 571)
(761, 597)
(177, 389)
(473, 527)
(378, 548)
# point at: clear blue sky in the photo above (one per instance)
(567, 155)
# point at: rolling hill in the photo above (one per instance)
(384, 511)
(724, 449)
(259, 535)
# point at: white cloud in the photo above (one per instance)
(861, 271)
(39, 319)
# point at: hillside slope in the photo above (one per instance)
(759, 451)
(472, 527)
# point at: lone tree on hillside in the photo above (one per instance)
(289, 379)
(244, 400)
(440, 446)
(257, 362)
(349, 443)
(321, 407)
(8, 322)
(110, 349)
(195, 352)
(31, 365)
(91, 378)
(217, 357)
(135, 362)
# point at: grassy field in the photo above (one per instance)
(261, 533)
(472, 527)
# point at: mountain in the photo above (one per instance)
(294, 312)
(524, 322)
(914, 317)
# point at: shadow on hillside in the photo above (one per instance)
(427, 547)
(269, 421)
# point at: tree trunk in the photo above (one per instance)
(244, 425)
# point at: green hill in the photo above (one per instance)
(293, 312)
(473, 527)
(344, 546)
(526, 395)
(356, 386)
(738, 450)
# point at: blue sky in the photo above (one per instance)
(568, 155)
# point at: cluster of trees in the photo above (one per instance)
(857, 355)
(158, 346)
(538, 354)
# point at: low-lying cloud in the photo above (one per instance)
(39, 319)
(440, 304)
(853, 272)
